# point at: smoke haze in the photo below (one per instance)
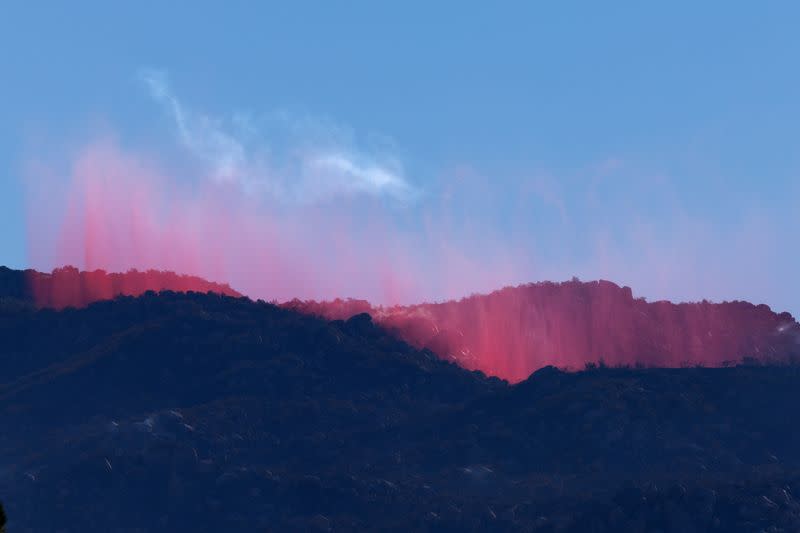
(284, 206)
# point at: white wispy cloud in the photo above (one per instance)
(366, 178)
(237, 151)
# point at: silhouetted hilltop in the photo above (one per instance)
(179, 412)
(69, 287)
(514, 331)
(137, 409)
(508, 333)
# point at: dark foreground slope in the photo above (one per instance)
(190, 412)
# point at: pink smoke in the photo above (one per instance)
(512, 332)
(122, 211)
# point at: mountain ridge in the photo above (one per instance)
(70, 287)
(514, 331)
(510, 332)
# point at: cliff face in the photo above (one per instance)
(512, 332)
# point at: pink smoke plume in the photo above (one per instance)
(514, 331)
(68, 287)
(120, 211)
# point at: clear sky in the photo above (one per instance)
(654, 145)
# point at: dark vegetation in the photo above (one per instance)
(200, 412)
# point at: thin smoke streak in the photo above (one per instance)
(310, 174)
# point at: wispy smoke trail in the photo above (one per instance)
(283, 207)
(237, 153)
(200, 134)
(277, 207)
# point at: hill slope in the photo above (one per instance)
(200, 412)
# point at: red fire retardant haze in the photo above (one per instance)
(120, 213)
(67, 287)
(116, 210)
(512, 332)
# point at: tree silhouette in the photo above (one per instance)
(2, 519)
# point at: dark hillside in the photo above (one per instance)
(200, 412)
(227, 381)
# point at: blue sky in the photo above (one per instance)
(657, 146)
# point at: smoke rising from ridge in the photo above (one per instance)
(283, 206)
(286, 208)
(279, 207)
(312, 170)
(121, 211)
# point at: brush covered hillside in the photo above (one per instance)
(179, 412)
(514, 331)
